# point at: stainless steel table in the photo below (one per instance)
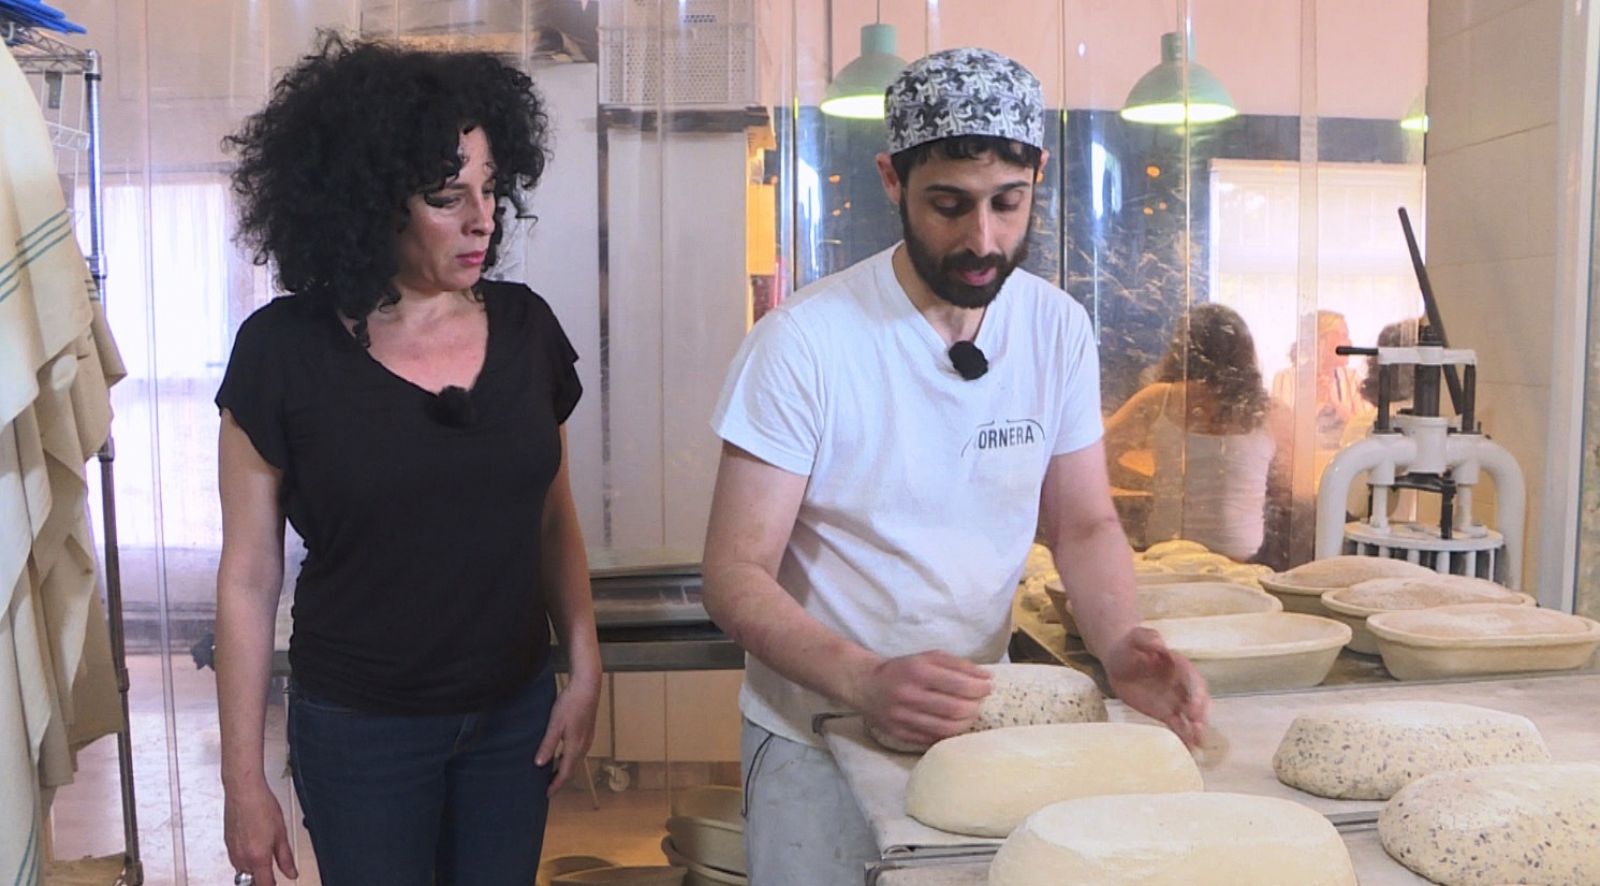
(1373, 867)
(1561, 705)
(648, 616)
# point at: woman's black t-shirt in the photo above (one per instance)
(420, 592)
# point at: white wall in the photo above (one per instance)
(678, 307)
(560, 260)
(1492, 158)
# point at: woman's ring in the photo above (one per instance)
(244, 878)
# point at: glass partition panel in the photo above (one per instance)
(695, 184)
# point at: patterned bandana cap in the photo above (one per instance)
(964, 92)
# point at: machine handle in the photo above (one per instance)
(1430, 306)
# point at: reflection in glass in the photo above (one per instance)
(1202, 439)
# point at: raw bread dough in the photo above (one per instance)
(1345, 570)
(1536, 823)
(1163, 549)
(1468, 621)
(1246, 573)
(1425, 591)
(1174, 840)
(1195, 599)
(1039, 562)
(1027, 695)
(986, 783)
(1249, 634)
(1189, 599)
(1204, 564)
(1370, 751)
(1032, 597)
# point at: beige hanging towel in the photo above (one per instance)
(57, 360)
(44, 281)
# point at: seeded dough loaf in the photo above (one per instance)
(1370, 751)
(1533, 823)
(986, 783)
(1188, 839)
(1027, 695)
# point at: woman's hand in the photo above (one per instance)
(1159, 683)
(571, 729)
(253, 827)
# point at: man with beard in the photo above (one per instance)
(893, 435)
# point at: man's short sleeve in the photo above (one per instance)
(1081, 423)
(771, 401)
(253, 384)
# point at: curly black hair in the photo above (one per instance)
(1215, 347)
(353, 131)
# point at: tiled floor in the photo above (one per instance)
(187, 837)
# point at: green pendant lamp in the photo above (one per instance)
(1158, 97)
(1416, 118)
(858, 90)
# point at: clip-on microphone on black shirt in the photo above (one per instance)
(968, 360)
(452, 407)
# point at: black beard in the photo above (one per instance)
(940, 274)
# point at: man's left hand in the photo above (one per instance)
(1157, 682)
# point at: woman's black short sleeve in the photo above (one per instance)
(253, 387)
(566, 389)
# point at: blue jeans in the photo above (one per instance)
(423, 800)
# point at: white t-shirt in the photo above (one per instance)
(1210, 488)
(924, 487)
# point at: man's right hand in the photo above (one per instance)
(923, 698)
(252, 825)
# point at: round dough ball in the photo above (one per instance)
(1163, 549)
(1370, 751)
(986, 783)
(1039, 562)
(1534, 823)
(1202, 564)
(1031, 597)
(1347, 569)
(1187, 839)
(1427, 591)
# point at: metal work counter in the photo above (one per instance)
(1561, 705)
(702, 647)
(1373, 867)
(648, 618)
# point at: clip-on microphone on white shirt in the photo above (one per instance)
(968, 360)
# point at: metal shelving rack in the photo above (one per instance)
(39, 54)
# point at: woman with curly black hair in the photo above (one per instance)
(1215, 437)
(405, 415)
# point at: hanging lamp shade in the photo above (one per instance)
(1416, 118)
(858, 90)
(1158, 97)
